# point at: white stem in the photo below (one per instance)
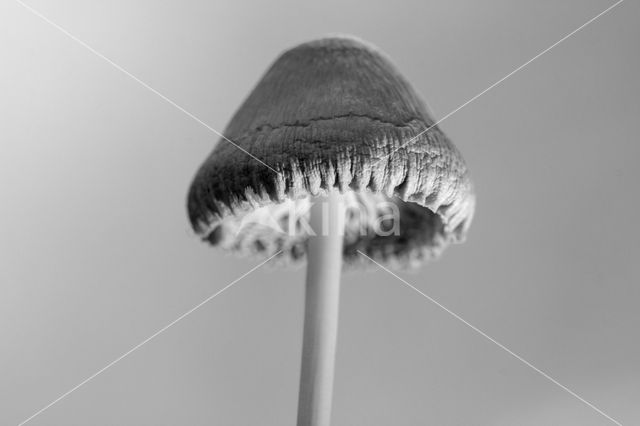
(324, 263)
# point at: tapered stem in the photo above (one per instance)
(324, 263)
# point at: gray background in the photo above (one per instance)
(96, 252)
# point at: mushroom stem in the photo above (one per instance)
(324, 264)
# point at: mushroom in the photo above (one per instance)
(345, 160)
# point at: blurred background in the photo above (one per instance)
(96, 253)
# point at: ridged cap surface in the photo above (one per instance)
(334, 113)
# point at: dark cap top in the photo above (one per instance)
(334, 113)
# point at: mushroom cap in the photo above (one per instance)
(334, 113)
